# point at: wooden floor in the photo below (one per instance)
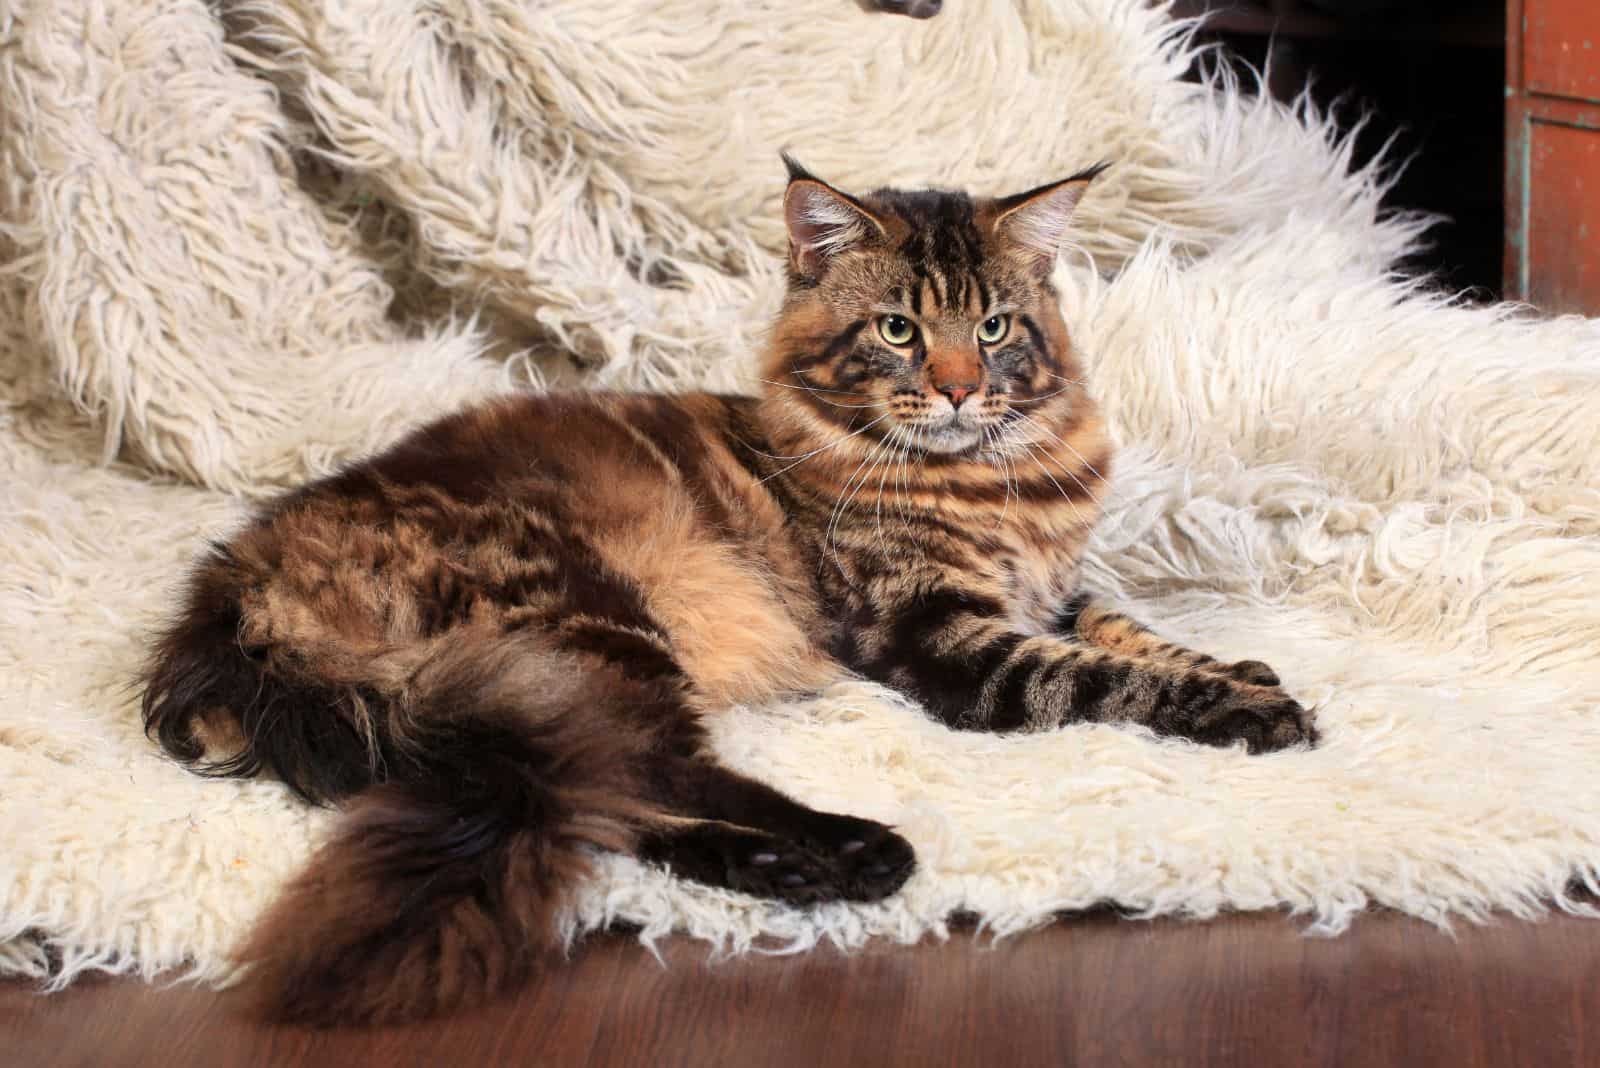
(1247, 990)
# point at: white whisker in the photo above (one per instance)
(990, 437)
(1064, 494)
(846, 495)
(1013, 401)
(818, 392)
(798, 460)
(1064, 378)
(1081, 458)
(904, 474)
(877, 509)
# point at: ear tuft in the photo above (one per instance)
(822, 221)
(796, 169)
(1036, 221)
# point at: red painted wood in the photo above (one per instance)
(1552, 176)
(1564, 218)
(1562, 48)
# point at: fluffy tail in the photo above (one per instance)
(442, 891)
(499, 770)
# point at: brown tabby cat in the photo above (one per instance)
(499, 638)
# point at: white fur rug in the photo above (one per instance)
(243, 241)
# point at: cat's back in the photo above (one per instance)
(554, 449)
(548, 511)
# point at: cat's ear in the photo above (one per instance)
(822, 221)
(1033, 223)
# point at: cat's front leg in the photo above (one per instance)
(952, 649)
(1084, 619)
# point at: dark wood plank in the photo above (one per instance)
(1093, 990)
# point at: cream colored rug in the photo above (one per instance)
(243, 241)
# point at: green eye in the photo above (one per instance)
(993, 328)
(897, 329)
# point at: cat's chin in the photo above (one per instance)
(949, 439)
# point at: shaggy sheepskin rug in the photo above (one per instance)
(243, 241)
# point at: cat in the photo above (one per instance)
(496, 643)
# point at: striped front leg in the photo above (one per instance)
(1083, 619)
(953, 650)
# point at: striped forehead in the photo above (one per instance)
(943, 248)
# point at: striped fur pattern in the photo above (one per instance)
(497, 643)
(951, 476)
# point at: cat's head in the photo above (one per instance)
(929, 314)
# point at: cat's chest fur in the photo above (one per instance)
(1041, 584)
(1022, 544)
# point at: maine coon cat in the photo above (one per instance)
(497, 642)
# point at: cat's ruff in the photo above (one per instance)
(1389, 499)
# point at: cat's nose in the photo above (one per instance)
(957, 394)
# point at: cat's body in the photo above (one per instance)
(502, 636)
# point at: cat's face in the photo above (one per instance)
(929, 315)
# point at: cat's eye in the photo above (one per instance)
(897, 329)
(993, 328)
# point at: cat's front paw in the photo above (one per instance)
(1253, 672)
(1263, 717)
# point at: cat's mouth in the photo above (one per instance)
(951, 433)
(925, 422)
(950, 438)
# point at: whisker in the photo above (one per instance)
(905, 473)
(989, 436)
(818, 392)
(877, 509)
(808, 385)
(1008, 458)
(846, 495)
(1064, 494)
(802, 459)
(1081, 458)
(1040, 397)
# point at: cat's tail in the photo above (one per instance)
(442, 885)
(501, 772)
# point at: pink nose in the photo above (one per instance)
(957, 394)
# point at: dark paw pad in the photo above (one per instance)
(1264, 718)
(870, 861)
(838, 859)
(792, 876)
